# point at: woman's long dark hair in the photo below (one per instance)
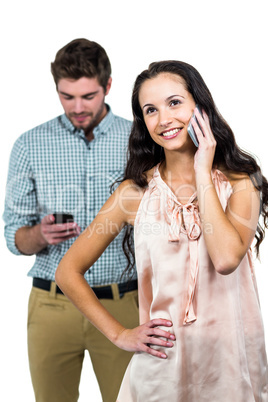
(144, 153)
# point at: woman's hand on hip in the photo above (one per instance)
(141, 338)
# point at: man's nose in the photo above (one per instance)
(78, 106)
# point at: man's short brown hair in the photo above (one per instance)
(82, 58)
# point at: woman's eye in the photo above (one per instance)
(175, 102)
(150, 110)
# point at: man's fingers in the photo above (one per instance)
(61, 227)
(48, 220)
(58, 240)
(56, 233)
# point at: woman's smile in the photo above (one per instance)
(171, 133)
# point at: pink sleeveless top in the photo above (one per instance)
(219, 353)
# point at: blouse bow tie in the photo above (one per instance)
(184, 218)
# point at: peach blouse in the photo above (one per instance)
(219, 353)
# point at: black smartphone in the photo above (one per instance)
(190, 128)
(62, 217)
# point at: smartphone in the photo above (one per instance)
(62, 217)
(191, 131)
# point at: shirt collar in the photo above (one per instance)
(101, 128)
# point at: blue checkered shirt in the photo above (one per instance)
(54, 168)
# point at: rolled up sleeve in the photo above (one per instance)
(21, 202)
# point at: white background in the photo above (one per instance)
(226, 41)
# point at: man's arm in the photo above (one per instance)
(24, 234)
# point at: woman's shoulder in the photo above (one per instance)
(133, 187)
(237, 179)
(129, 199)
(129, 191)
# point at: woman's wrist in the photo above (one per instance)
(203, 177)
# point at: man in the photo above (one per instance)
(68, 165)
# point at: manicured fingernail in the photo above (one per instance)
(169, 344)
(164, 356)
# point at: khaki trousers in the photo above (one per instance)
(58, 335)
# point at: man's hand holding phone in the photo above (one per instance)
(58, 227)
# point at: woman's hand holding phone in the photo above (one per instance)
(206, 142)
(191, 130)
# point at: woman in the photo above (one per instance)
(195, 212)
